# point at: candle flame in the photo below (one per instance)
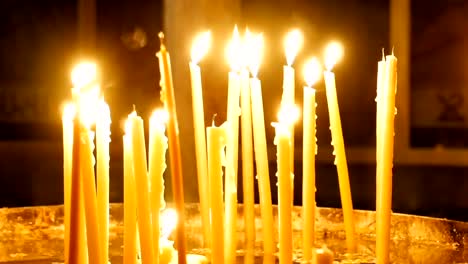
(312, 71)
(69, 112)
(254, 51)
(160, 117)
(333, 54)
(234, 51)
(292, 45)
(84, 74)
(288, 114)
(200, 46)
(169, 220)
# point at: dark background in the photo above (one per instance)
(38, 43)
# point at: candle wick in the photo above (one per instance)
(214, 118)
(393, 48)
(134, 108)
(383, 54)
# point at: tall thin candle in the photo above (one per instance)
(199, 48)
(332, 54)
(130, 217)
(174, 145)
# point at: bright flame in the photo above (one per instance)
(312, 71)
(333, 54)
(69, 112)
(168, 222)
(254, 51)
(200, 46)
(288, 114)
(292, 45)
(85, 73)
(234, 51)
(159, 117)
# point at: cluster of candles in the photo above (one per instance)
(87, 208)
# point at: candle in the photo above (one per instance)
(312, 72)
(80, 254)
(260, 145)
(283, 141)
(199, 48)
(292, 45)
(323, 256)
(247, 156)
(141, 182)
(168, 99)
(332, 54)
(384, 200)
(216, 137)
(130, 218)
(102, 151)
(232, 145)
(157, 166)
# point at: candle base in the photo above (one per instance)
(35, 235)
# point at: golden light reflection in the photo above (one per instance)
(333, 53)
(168, 222)
(234, 52)
(254, 51)
(312, 71)
(292, 45)
(200, 46)
(288, 114)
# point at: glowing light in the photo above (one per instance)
(168, 222)
(159, 117)
(254, 51)
(312, 71)
(288, 114)
(200, 46)
(333, 54)
(84, 74)
(292, 45)
(234, 51)
(69, 112)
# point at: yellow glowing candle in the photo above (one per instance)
(199, 48)
(283, 141)
(167, 96)
(157, 166)
(384, 200)
(130, 211)
(261, 157)
(232, 145)
(312, 72)
(141, 183)
(216, 137)
(292, 45)
(102, 151)
(333, 53)
(247, 157)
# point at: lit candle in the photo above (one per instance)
(247, 157)
(282, 141)
(292, 45)
(157, 166)
(332, 54)
(216, 137)
(102, 152)
(384, 205)
(232, 145)
(130, 211)
(167, 96)
(312, 72)
(261, 157)
(199, 48)
(141, 182)
(79, 239)
(86, 94)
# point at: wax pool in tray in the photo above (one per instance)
(35, 235)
